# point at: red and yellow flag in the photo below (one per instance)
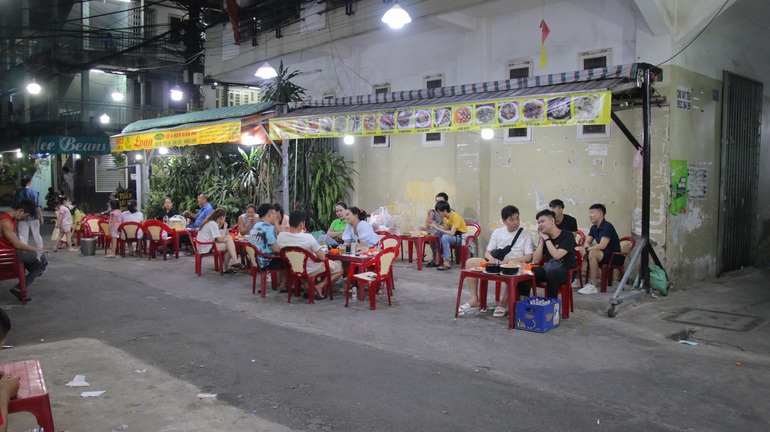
(545, 31)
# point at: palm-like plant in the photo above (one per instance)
(282, 89)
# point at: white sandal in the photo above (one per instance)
(466, 308)
(500, 312)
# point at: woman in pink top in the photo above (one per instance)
(116, 218)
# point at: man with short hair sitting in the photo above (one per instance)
(511, 239)
(33, 258)
(563, 221)
(431, 218)
(607, 242)
(558, 247)
(452, 232)
(297, 237)
(203, 213)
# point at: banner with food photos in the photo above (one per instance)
(586, 108)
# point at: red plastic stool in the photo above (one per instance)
(32, 396)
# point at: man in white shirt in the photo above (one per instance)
(297, 237)
(521, 247)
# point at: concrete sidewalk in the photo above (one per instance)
(589, 357)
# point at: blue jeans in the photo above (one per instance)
(34, 262)
(448, 240)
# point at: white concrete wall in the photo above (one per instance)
(476, 174)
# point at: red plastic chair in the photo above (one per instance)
(153, 234)
(90, 227)
(296, 260)
(474, 231)
(129, 230)
(32, 396)
(383, 272)
(388, 240)
(580, 238)
(11, 268)
(627, 244)
(252, 253)
(104, 228)
(218, 255)
(565, 290)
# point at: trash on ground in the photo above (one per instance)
(92, 393)
(141, 370)
(207, 395)
(682, 341)
(78, 381)
(738, 364)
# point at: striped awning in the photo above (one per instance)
(223, 113)
(221, 125)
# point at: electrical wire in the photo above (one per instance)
(697, 35)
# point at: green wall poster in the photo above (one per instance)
(678, 187)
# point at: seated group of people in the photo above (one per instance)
(555, 249)
(264, 232)
(449, 226)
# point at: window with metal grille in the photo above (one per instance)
(381, 141)
(521, 69)
(593, 60)
(433, 138)
(107, 177)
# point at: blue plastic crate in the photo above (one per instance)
(538, 314)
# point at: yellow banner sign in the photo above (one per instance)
(204, 134)
(557, 110)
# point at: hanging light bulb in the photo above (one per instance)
(348, 139)
(163, 150)
(117, 96)
(104, 118)
(266, 71)
(138, 156)
(487, 134)
(176, 93)
(19, 154)
(396, 17)
(33, 87)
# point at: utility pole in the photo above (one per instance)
(193, 52)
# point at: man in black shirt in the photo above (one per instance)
(559, 249)
(563, 221)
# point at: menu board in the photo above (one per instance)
(557, 110)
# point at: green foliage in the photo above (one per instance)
(281, 88)
(329, 181)
(12, 169)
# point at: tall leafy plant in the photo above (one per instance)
(281, 88)
(327, 178)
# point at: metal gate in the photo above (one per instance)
(739, 178)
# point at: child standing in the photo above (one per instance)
(64, 223)
(116, 218)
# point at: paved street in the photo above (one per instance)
(153, 335)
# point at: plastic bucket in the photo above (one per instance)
(88, 246)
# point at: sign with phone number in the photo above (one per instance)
(557, 110)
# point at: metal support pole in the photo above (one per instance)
(646, 189)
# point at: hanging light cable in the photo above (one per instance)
(266, 71)
(396, 17)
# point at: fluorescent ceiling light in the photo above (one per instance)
(396, 17)
(266, 71)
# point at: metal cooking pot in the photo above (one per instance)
(510, 270)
